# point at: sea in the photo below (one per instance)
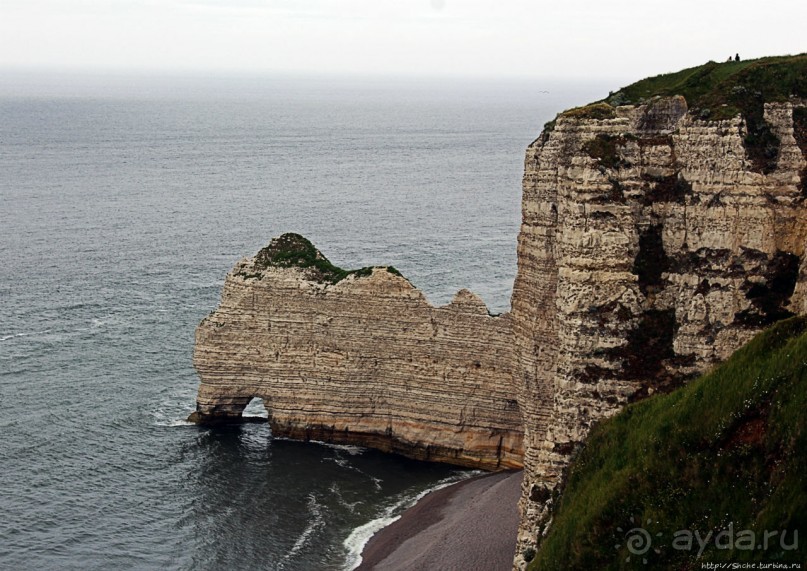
(124, 201)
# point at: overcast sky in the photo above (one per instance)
(519, 38)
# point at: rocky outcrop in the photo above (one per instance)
(652, 246)
(359, 358)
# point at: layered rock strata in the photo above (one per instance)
(652, 246)
(360, 358)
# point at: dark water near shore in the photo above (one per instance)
(124, 202)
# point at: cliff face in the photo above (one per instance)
(359, 358)
(653, 245)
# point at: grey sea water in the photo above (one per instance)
(124, 201)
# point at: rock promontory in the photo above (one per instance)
(359, 357)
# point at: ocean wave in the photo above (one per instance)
(315, 521)
(343, 462)
(24, 334)
(359, 537)
(172, 423)
(337, 493)
(349, 448)
(65, 332)
(174, 408)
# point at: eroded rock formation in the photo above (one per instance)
(652, 246)
(359, 358)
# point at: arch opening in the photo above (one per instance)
(256, 408)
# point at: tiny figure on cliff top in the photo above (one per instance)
(737, 57)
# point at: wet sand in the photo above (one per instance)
(471, 525)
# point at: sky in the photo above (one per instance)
(434, 38)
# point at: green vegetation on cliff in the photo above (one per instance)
(295, 251)
(726, 453)
(717, 91)
(722, 90)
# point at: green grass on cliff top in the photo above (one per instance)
(728, 449)
(717, 90)
(295, 251)
(713, 85)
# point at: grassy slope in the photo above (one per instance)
(715, 90)
(730, 447)
(735, 85)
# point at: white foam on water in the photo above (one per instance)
(345, 463)
(350, 506)
(359, 537)
(108, 319)
(24, 334)
(168, 415)
(349, 448)
(315, 521)
(173, 409)
(164, 420)
(342, 462)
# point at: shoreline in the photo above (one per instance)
(469, 524)
(359, 538)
